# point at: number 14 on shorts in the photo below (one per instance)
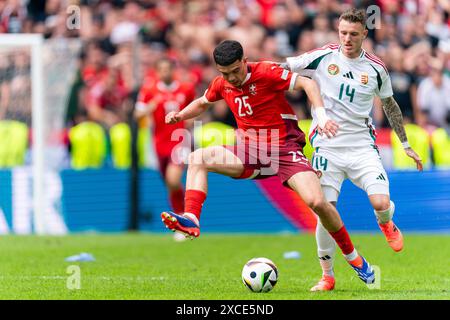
(319, 163)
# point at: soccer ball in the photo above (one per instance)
(260, 275)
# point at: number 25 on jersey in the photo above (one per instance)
(244, 108)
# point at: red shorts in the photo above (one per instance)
(283, 161)
(177, 157)
(163, 162)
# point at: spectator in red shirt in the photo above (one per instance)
(106, 99)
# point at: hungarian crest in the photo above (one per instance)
(364, 78)
(333, 69)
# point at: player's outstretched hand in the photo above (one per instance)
(173, 117)
(139, 114)
(330, 129)
(412, 154)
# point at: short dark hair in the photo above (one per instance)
(227, 52)
(354, 15)
(168, 60)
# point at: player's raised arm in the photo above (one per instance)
(326, 125)
(195, 108)
(395, 117)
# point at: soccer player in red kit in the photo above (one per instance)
(271, 143)
(161, 97)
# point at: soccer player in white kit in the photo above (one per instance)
(349, 79)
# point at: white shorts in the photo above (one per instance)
(361, 165)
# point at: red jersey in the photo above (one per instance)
(105, 89)
(173, 97)
(260, 102)
(91, 75)
(111, 99)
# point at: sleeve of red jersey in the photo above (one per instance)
(214, 91)
(280, 78)
(144, 97)
(189, 92)
(190, 96)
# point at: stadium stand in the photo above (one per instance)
(120, 135)
(88, 145)
(440, 141)
(13, 148)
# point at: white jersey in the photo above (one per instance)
(348, 87)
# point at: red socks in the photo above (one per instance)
(194, 201)
(343, 240)
(176, 198)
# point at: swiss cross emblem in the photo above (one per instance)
(252, 89)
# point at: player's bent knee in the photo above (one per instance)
(380, 203)
(173, 184)
(196, 158)
(317, 203)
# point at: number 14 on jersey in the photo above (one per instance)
(349, 92)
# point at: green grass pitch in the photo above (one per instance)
(153, 266)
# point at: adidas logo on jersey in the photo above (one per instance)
(381, 177)
(348, 75)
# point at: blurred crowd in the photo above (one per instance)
(413, 39)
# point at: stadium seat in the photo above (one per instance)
(419, 140)
(13, 143)
(440, 142)
(120, 135)
(214, 134)
(143, 143)
(305, 126)
(88, 142)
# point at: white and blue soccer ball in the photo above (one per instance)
(260, 275)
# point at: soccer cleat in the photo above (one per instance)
(363, 269)
(180, 223)
(324, 284)
(393, 235)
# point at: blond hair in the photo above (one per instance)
(354, 15)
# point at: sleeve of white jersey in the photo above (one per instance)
(386, 86)
(300, 63)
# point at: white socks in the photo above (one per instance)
(386, 215)
(326, 249)
(326, 246)
(351, 256)
(192, 217)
